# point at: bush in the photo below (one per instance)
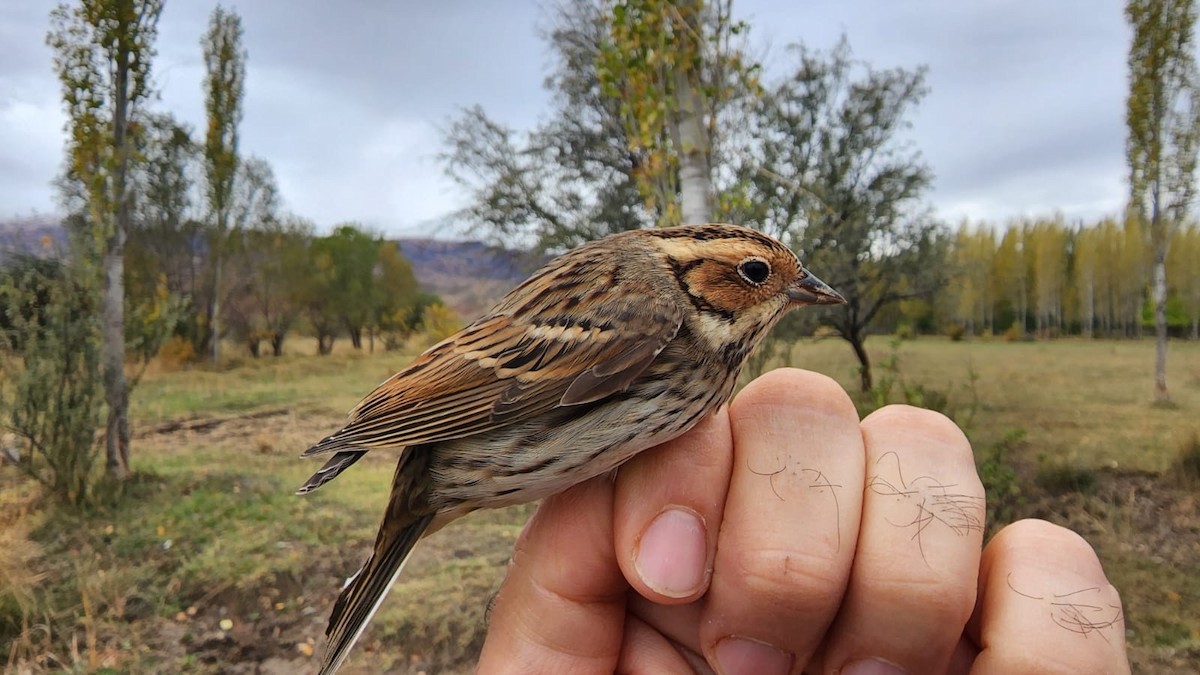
(177, 353)
(439, 322)
(50, 393)
(905, 332)
(955, 331)
(999, 478)
(929, 398)
(825, 332)
(1012, 334)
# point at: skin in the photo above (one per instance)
(645, 575)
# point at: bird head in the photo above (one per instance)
(740, 281)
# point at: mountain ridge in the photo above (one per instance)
(468, 275)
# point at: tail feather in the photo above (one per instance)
(330, 470)
(366, 589)
(331, 443)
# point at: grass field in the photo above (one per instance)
(1082, 402)
(207, 559)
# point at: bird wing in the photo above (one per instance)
(511, 366)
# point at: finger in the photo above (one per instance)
(562, 605)
(918, 547)
(1045, 605)
(667, 505)
(645, 650)
(787, 539)
(678, 623)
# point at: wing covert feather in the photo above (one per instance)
(468, 384)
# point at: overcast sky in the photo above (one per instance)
(345, 99)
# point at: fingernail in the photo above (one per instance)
(872, 667)
(672, 557)
(739, 656)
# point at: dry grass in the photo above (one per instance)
(1083, 403)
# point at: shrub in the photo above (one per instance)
(955, 331)
(439, 322)
(999, 478)
(825, 332)
(176, 353)
(50, 393)
(929, 398)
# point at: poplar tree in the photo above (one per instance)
(224, 87)
(102, 56)
(1163, 117)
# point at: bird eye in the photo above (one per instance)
(754, 270)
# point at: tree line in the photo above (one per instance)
(1047, 277)
(171, 236)
(262, 272)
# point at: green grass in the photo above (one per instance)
(1087, 403)
(330, 384)
(210, 531)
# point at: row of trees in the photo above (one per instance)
(1052, 278)
(169, 234)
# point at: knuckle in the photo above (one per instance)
(941, 601)
(786, 578)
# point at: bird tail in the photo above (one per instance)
(364, 592)
(340, 461)
(345, 453)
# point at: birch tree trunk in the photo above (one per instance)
(112, 335)
(1160, 323)
(695, 178)
(116, 442)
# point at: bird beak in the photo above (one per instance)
(809, 290)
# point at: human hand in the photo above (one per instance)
(782, 535)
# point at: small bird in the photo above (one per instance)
(612, 348)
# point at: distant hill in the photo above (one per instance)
(469, 276)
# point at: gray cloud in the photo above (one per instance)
(344, 99)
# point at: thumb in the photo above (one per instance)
(562, 606)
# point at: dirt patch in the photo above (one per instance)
(206, 424)
(271, 431)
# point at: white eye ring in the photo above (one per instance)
(755, 271)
